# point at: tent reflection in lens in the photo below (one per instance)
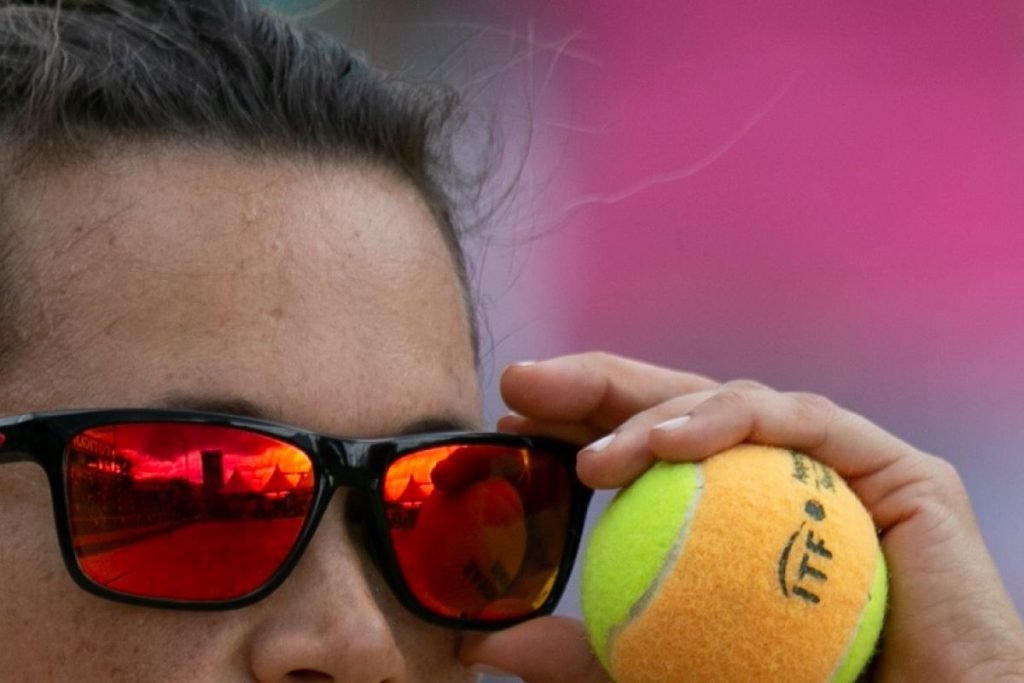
(184, 511)
(479, 530)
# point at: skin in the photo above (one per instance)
(950, 618)
(322, 296)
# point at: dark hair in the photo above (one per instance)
(77, 75)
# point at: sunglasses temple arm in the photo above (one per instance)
(15, 437)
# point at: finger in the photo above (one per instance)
(622, 456)
(807, 422)
(874, 462)
(545, 650)
(597, 388)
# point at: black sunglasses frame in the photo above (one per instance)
(358, 464)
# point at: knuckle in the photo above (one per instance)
(598, 359)
(732, 399)
(944, 477)
(743, 384)
(818, 411)
(933, 484)
(815, 406)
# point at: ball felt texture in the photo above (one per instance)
(757, 564)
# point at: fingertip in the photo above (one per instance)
(711, 427)
(611, 468)
(513, 423)
(518, 366)
(470, 645)
(518, 384)
(672, 425)
(542, 650)
(512, 370)
(674, 439)
(599, 445)
(564, 388)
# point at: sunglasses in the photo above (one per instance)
(195, 510)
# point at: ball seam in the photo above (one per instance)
(667, 566)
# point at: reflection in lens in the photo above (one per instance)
(184, 511)
(479, 530)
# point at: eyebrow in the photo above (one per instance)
(230, 405)
(236, 405)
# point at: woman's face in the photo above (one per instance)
(322, 297)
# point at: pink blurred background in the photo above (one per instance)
(822, 195)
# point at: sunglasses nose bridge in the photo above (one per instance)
(344, 461)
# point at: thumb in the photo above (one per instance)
(545, 650)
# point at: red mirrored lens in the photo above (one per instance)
(479, 531)
(184, 511)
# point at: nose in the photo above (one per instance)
(327, 622)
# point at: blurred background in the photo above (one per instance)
(821, 195)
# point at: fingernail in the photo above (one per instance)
(674, 423)
(485, 670)
(601, 443)
(524, 363)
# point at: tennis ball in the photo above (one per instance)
(758, 564)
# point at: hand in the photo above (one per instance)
(950, 617)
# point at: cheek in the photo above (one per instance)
(52, 630)
(430, 652)
(34, 587)
(30, 562)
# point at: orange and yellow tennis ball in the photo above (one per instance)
(757, 564)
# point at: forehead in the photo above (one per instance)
(308, 289)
